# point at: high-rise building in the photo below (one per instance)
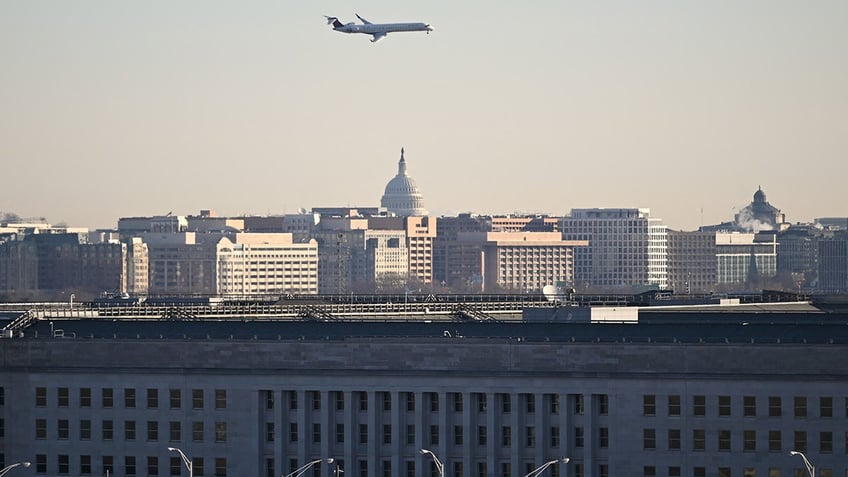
(691, 261)
(833, 263)
(251, 264)
(745, 257)
(627, 248)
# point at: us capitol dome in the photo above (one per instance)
(402, 197)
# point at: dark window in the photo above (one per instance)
(649, 439)
(387, 401)
(175, 433)
(482, 435)
(749, 440)
(316, 433)
(269, 431)
(107, 397)
(387, 433)
(220, 431)
(152, 398)
(775, 443)
(674, 405)
(64, 464)
(723, 440)
(649, 471)
(197, 399)
(41, 463)
(197, 431)
(197, 466)
(41, 397)
(175, 398)
(826, 442)
(175, 466)
(458, 437)
(152, 466)
(724, 406)
(800, 441)
(800, 406)
(363, 401)
(434, 435)
(363, 433)
(410, 402)
(483, 404)
(85, 429)
(674, 439)
(775, 408)
(340, 434)
(578, 404)
(649, 405)
(457, 402)
(603, 404)
(749, 404)
(316, 400)
(826, 406)
(108, 465)
(529, 436)
(129, 466)
(108, 430)
(530, 403)
(152, 431)
(699, 439)
(129, 398)
(340, 401)
(129, 430)
(41, 428)
(220, 399)
(62, 397)
(603, 437)
(293, 432)
(699, 405)
(220, 467)
(85, 401)
(506, 436)
(578, 437)
(85, 465)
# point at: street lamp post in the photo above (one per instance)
(439, 466)
(538, 470)
(810, 468)
(300, 470)
(8, 468)
(186, 460)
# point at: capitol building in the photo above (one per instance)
(402, 196)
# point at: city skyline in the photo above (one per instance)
(121, 110)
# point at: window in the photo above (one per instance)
(826, 442)
(482, 402)
(649, 439)
(41, 428)
(107, 430)
(152, 466)
(64, 464)
(699, 405)
(129, 430)
(457, 402)
(2, 396)
(458, 436)
(108, 465)
(724, 472)
(826, 406)
(410, 434)
(152, 398)
(85, 429)
(800, 441)
(197, 431)
(129, 466)
(41, 463)
(85, 401)
(578, 404)
(220, 431)
(152, 431)
(85, 465)
(434, 435)
(674, 471)
(603, 404)
(530, 436)
(175, 464)
(410, 402)
(220, 399)
(603, 437)
(649, 405)
(749, 440)
(674, 439)
(269, 431)
(674, 405)
(649, 471)
(775, 408)
(800, 405)
(749, 405)
(197, 399)
(339, 401)
(724, 406)
(578, 437)
(482, 435)
(363, 401)
(555, 403)
(292, 431)
(220, 467)
(129, 398)
(699, 471)
(41, 397)
(699, 439)
(363, 433)
(775, 443)
(107, 398)
(434, 402)
(316, 400)
(506, 436)
(387, 434)
(387, 468)
(387, 401)
(175, 431)
(316, 432)
(62, 397)
(175, 398)
(723, 440)
(197, 466)
(530, 403)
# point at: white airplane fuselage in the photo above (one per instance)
(378, 31)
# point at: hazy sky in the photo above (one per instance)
(121, 108)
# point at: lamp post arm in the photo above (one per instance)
(439, 466)
(10, 467)
(538, 471)
(302, 469)
(811, 469)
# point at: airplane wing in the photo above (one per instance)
(377, 37)
(363, 20)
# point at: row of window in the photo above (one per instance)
(130, 430)
(431, 400)
(434, 432)
(674, 471)
(724, 406)
(724, 438)
(130, 397)
(130, 466)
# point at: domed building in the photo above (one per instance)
(402, 197)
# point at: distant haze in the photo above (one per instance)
(114, 109)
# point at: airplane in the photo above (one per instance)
(378, 31)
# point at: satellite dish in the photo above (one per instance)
(551, 293)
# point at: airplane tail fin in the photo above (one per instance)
(333, 21)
